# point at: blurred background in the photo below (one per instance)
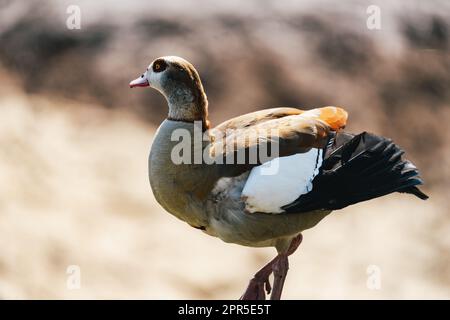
(75, 139)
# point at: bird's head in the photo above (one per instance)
(180, 84)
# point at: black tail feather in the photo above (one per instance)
(416, 191)
(359, 168)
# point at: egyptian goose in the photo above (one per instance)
(262, 201)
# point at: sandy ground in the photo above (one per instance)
(75, 191)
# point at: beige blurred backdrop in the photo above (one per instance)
(75, 139)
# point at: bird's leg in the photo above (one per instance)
(294, 244)
(281, 267)
(260, 284)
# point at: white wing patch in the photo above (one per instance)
(269, 187)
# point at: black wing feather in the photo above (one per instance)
(358, 168)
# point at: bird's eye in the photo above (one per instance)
(159, 65)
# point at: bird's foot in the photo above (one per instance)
(279, 266)
(260, 283)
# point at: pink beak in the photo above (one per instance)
(139, 82)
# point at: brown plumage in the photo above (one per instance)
(321, 169)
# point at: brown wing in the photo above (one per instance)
(253, 118)
(241, 149)
(335, 117)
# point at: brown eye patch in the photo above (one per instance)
(159, 65)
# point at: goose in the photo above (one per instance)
(262, 200)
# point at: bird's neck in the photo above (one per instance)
(188, 105)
